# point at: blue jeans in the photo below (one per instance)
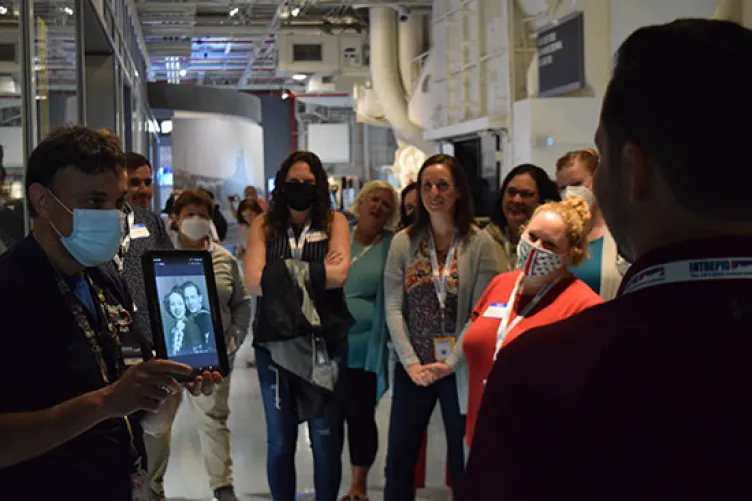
(279, 398)
(412, 406)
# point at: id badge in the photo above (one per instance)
(496, 310)
(442, 347)
(139, 231)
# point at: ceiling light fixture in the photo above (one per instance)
(285, 94)
(234, 11)
(3, 10)
(299, 77)
(183, 72)
(68, 10)
(294, 12)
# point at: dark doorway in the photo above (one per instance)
(483, 186)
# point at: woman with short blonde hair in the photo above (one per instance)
(377, 209)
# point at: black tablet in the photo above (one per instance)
(184, 309)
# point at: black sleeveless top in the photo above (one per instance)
(278, 248)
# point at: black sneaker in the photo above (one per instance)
(226, 493)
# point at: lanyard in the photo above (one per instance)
(119, 258)
(504, 326)
(441, 279)
(691, 270)
(77, 310)
(296, 246)
(364, 250)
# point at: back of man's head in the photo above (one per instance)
(681, 93)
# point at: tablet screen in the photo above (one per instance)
(184, 310)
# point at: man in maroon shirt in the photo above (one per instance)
(647, 397)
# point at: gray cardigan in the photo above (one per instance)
(477, 265)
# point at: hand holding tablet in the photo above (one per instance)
(184, 310)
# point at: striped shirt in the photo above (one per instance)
(315, 249)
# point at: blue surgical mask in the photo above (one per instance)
(96, 237)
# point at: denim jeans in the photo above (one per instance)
(279, 398)
(412, 406)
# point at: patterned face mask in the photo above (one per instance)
(535, 262)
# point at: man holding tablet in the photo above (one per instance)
(65, 421)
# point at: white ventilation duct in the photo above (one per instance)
(368, 110)
(386, 78)
(410, 37)
(421, 106)
(537, 13)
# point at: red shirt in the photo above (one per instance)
(479, 342)
(646, 397)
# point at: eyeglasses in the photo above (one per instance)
(513, 192)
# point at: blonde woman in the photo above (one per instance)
(603, 269)
(541, 291)
(376, 209)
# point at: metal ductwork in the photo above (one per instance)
(385, 76)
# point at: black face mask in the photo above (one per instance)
(300, 196)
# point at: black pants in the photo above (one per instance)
(412, 406)
(359, 411)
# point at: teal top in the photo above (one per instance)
(364, 292)
(589, 271)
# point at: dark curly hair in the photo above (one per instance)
(75, 146)
(277, 218)
(547, 191)
(464, 217)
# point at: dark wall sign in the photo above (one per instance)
(561, 56)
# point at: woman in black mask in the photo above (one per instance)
(300, 225)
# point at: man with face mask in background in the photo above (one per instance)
(603, 269)
(66, 425)
(644, 397)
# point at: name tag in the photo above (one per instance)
(496, 310)
(139, 231)
(443, 347)
(316, 236)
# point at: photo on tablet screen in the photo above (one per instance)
(184, 310)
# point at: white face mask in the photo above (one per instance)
(579, 191)
(536, 262)
(195, 227)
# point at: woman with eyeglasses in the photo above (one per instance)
(436, 271)
(524, 188)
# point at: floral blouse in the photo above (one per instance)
(423, 308)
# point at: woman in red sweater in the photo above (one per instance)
(541, 291)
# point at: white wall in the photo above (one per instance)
(546, 128)
(218, 151)
(11, 138)
(628, 15)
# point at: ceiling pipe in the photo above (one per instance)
(410, 38)
(386, 80)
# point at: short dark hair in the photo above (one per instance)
(680, 92)
(193, 197)
(248, 204)
(547, 191)
(3, 173)
(135, 160)
(72, 146)
(464, 217)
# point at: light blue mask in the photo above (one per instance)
(96, 236)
